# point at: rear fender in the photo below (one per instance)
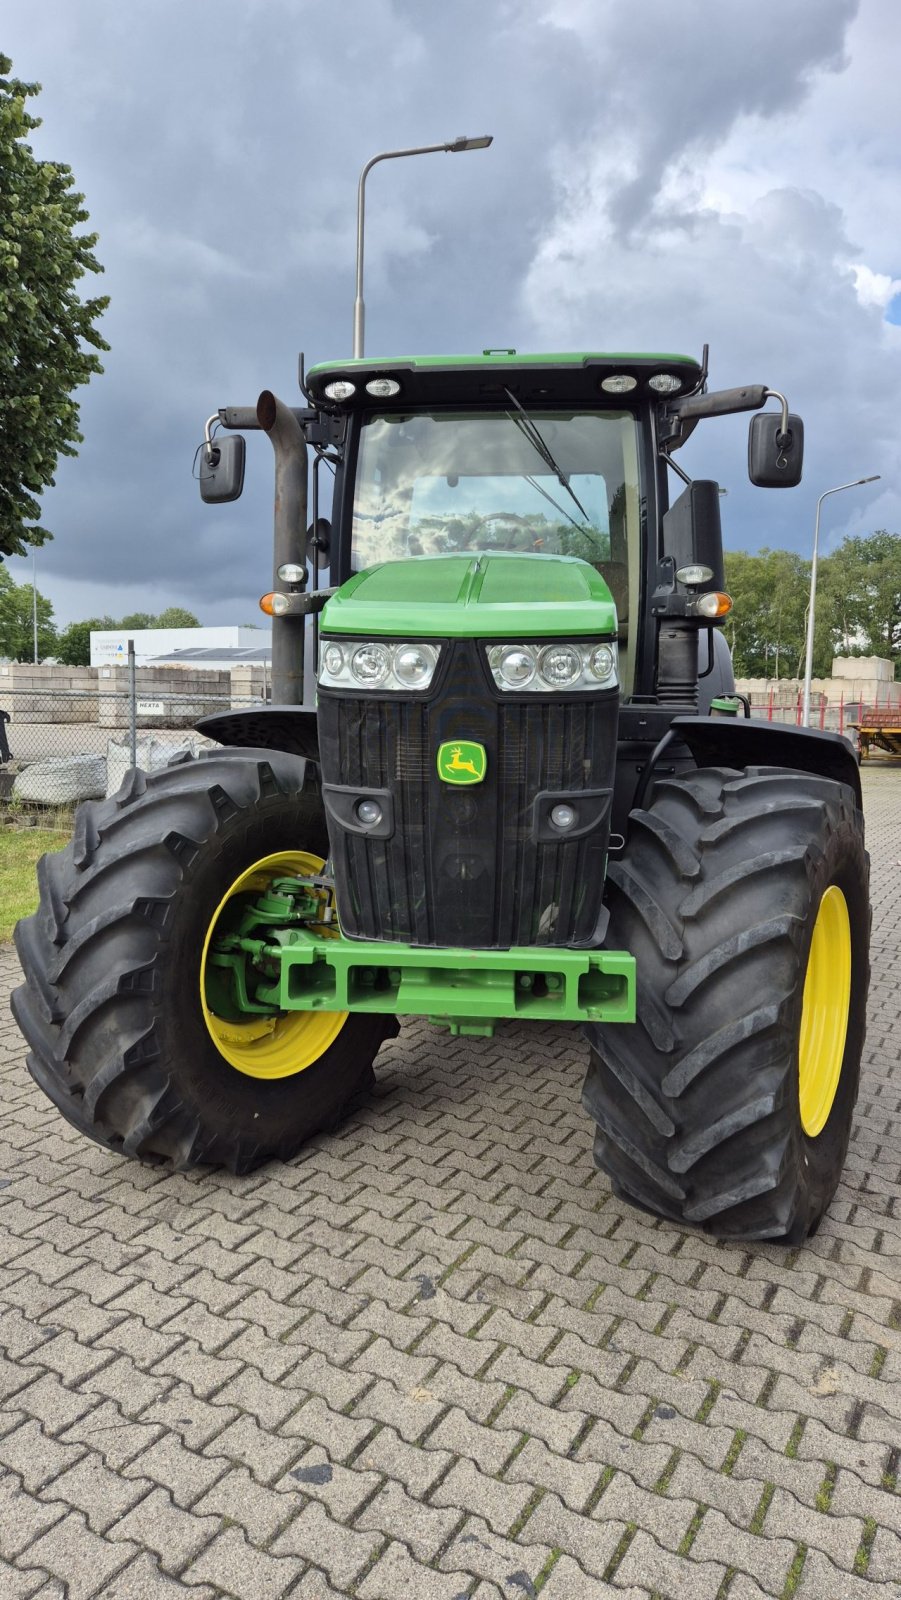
(751, 742)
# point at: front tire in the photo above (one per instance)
(121, 1039)
(728, 1103)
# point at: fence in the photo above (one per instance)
(75, 740)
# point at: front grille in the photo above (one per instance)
(464, 866)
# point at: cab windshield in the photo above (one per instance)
(552, 482)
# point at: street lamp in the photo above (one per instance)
(808, 667)
(454, 147)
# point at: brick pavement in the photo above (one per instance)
(433, 1357)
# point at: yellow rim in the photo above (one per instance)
(824, 1015)
(270, 1047)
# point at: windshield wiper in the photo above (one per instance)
(530, 429)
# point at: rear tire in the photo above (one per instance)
(698, 1104)
(111, 1005)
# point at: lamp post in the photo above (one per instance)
(34, 601)
(811, 610)
(454, 147)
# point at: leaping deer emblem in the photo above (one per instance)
(457, 764)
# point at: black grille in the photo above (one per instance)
(465, 866)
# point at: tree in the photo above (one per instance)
(74, 643)
(176, 617)
(17, 621)
(766, 626)
(862, 580)
(44, 326)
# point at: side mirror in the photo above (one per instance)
(775, 458)
(222, 469)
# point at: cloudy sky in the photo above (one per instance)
(660, 176)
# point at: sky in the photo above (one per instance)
(661, 176)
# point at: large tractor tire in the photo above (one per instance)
(114, 1006)
(728, 1103)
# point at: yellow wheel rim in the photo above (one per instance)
(269, 1047)
(824, 1014)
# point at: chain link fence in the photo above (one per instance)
(61, 745)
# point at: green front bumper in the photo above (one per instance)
(467, 990)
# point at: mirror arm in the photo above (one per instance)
(773, 394)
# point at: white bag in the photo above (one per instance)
(62, 780)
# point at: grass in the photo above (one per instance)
(20, 850)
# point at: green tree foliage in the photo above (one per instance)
(74, 646)
(44, 326)
(766, 626)
(74, 643)
(17, 621)
(858, 609)
(862, 585)
(176, 617)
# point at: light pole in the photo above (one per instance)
(811, 610)
(34, 601)
(452, 148)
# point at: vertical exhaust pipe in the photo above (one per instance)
(289, 544)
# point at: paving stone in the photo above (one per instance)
(260, 1511)
(143, 1580)
(23, 1516)
(89, 1486)
(80, 1559)
(185, 1473)
(437, 1338)
(341, 1552)
(23, 1583)
(423, 1528)
(398, 1576)
(35, 1455)
(232, 1564)
(156, 1523)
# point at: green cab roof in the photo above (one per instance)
(551, 376)
(475, 595)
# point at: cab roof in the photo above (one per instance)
(470, 379)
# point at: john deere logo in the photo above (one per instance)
(462, 761)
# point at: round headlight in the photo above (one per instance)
(601, 662)
(370, 664)
(664, 383)
(369, 812)
(290, 572)
(414, 664)
(333, 659)
(619, 383)
(279, 604)
(564, 817)
(341, 389)
(383, 388)
(515, 665)
(559, 664)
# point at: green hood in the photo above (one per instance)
(477, 595)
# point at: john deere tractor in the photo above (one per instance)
(519, 786)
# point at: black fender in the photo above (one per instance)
(752, 742)
(265, 727)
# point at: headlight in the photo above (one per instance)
(377, 664)
(341, 389)
(564, 665)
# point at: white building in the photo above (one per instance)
(197, 646)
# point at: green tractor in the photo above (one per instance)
(520, 791)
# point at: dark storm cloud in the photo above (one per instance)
(219, 150)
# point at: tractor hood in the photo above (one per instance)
(488, 595)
